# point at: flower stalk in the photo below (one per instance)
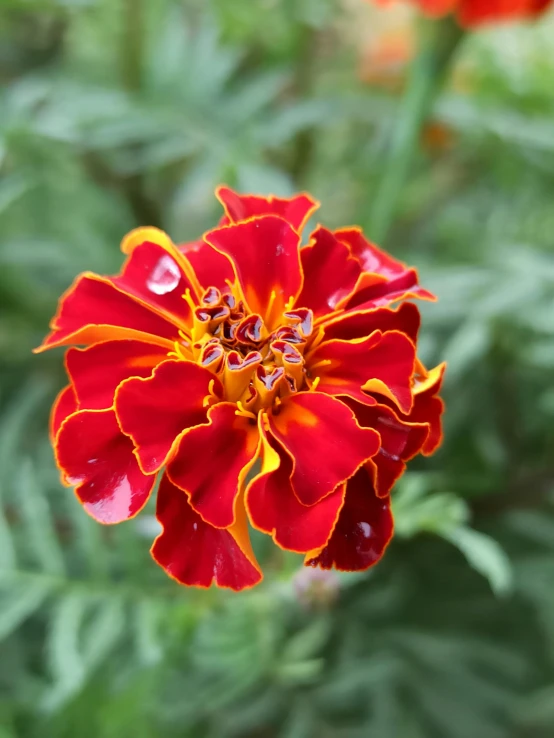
(438, 42)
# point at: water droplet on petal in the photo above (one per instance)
(165, 276)
(365, 528)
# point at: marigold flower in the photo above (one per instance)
(246, 354)
(473, 13)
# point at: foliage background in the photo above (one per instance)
(115, 113)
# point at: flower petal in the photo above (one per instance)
(295, 210)
(94, 310)
(326, 444)
(429, 408)
(155, 411)
(274, 508)
(363, 530)
(330, 273)
(212, 268)
(400, 442)
(396, 282)
(97, 370)
(474, 13)
(154, 273)
(229, 440)
(64, 405)
(360, 323)
(197, 554)
(93, 454)
(265, 254)
(381, 363)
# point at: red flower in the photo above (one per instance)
(246, 354)
(472, 13)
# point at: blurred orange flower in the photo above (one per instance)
(473, 13)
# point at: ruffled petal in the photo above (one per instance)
(400, 442)
(323, 439)
(229, 440)
(94, 455)
(274, 508)
(395, 281)
(295, 210)
(212, 268)
(330, 273)
(265, 255)
(428, 407)
(94, 310)
(157, 273)
(361, 323)
(65, 404)
(196, 554)
(362, 532)
(382, 363)
(97, 370)
(155, 411)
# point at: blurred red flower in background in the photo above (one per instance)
(472, 13)
(243, 355)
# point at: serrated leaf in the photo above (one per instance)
(308, 642)
(146, 619)
(41, 534)
(486, 556)
(100, 636)
(18, 601)
(65, 659)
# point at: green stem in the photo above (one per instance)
(438, 40)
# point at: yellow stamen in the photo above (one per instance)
(243, 412)
(188, 299)
(289, 304)
(322, 362)
(314, 384)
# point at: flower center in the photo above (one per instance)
(256, 367)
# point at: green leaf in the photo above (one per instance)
(41, 533)
(486, 556)
(64, 655)
(18, 601)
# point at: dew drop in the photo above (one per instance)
(365, 529)
(165, 276)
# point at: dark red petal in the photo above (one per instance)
(212, 462)
(153, 274)
(94, 310)
(381, 363)
(428, 408)
(361, 323)
(155, 411)
(396, 282)
(265, 254)
(274, 508)
(400, 442)
(330, 272)
(363, 530)
(197, 554)
(324, 440)
(65, 404)
(94, 455)
(212, 268)
(97, 371)
(295, 210)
